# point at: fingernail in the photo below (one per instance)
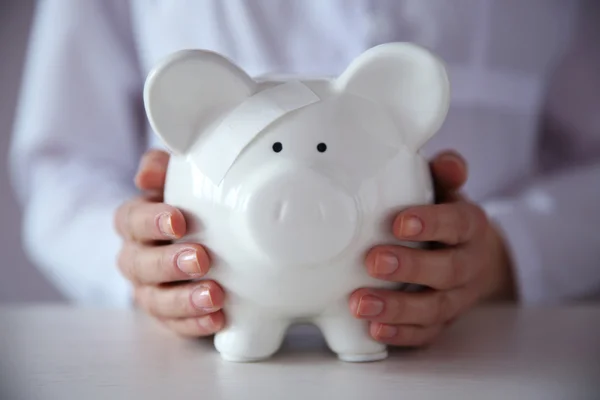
(165, 224)
(187, 262)
(155, 165)
(202, 299)
(385, 263)
(450, 157)
(149, 166)
(369, 306)
(410, 226)
(206, 323)
(387, 331)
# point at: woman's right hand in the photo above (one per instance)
(160, 271)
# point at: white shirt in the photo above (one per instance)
(525, 81)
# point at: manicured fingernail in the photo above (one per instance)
(165, 224)
(202, 299)
(410, 226)
(385, 263)
(187, 262)
(387, 331)
(369, 306)
(206, 323)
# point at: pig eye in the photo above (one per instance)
(277, 147)
(321, 147)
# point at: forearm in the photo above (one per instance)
(76, 143)
(551, 235)
(69, 232)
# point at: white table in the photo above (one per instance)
(493, 353)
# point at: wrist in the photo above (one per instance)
(502, 284)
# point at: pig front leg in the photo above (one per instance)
(251, 334)
(349, 337)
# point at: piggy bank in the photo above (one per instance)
(288, 183)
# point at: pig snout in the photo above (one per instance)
(300, 218)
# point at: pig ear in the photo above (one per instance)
(188, 91)
(407, 80)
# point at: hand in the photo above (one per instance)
(161, 272)
(469, 266)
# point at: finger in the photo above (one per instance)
(420, 308)
(150, 265)
(197, 327)
(404, 335)
(449, 223)
(449, 170)
(141, 221)
(152, 171)
(441, 269)
(192, 299)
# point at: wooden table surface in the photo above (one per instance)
(51, 352)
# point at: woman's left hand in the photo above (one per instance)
(470, 266)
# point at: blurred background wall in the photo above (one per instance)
(19, 280)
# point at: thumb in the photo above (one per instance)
(152, 171)
(449, 172)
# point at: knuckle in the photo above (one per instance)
(151, 303)
(136, 265)
(127, 262)
(435, 225)
(146, 300)
(406, 335)
(137, 297)
(120, 219)
(142, 220)
(420, 337)
(116, 220)
(129, 219)
(398, 309)
(441, 308)
(473, 221)
(141, 296)
(410, 263)
(174, 325)
(151, 221)
(122, 261)
(427, 338)
(184, 304)
(162, 260)
(412, 336)
(186, 329)
(458, 269)
(480, 219)
(463, 224)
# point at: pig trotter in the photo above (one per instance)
(250, 340)
(349, 337)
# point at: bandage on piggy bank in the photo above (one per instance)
(288, 184)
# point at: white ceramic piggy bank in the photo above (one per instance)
(289, 183)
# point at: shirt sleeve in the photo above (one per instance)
(552, 228)
(76, 144)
